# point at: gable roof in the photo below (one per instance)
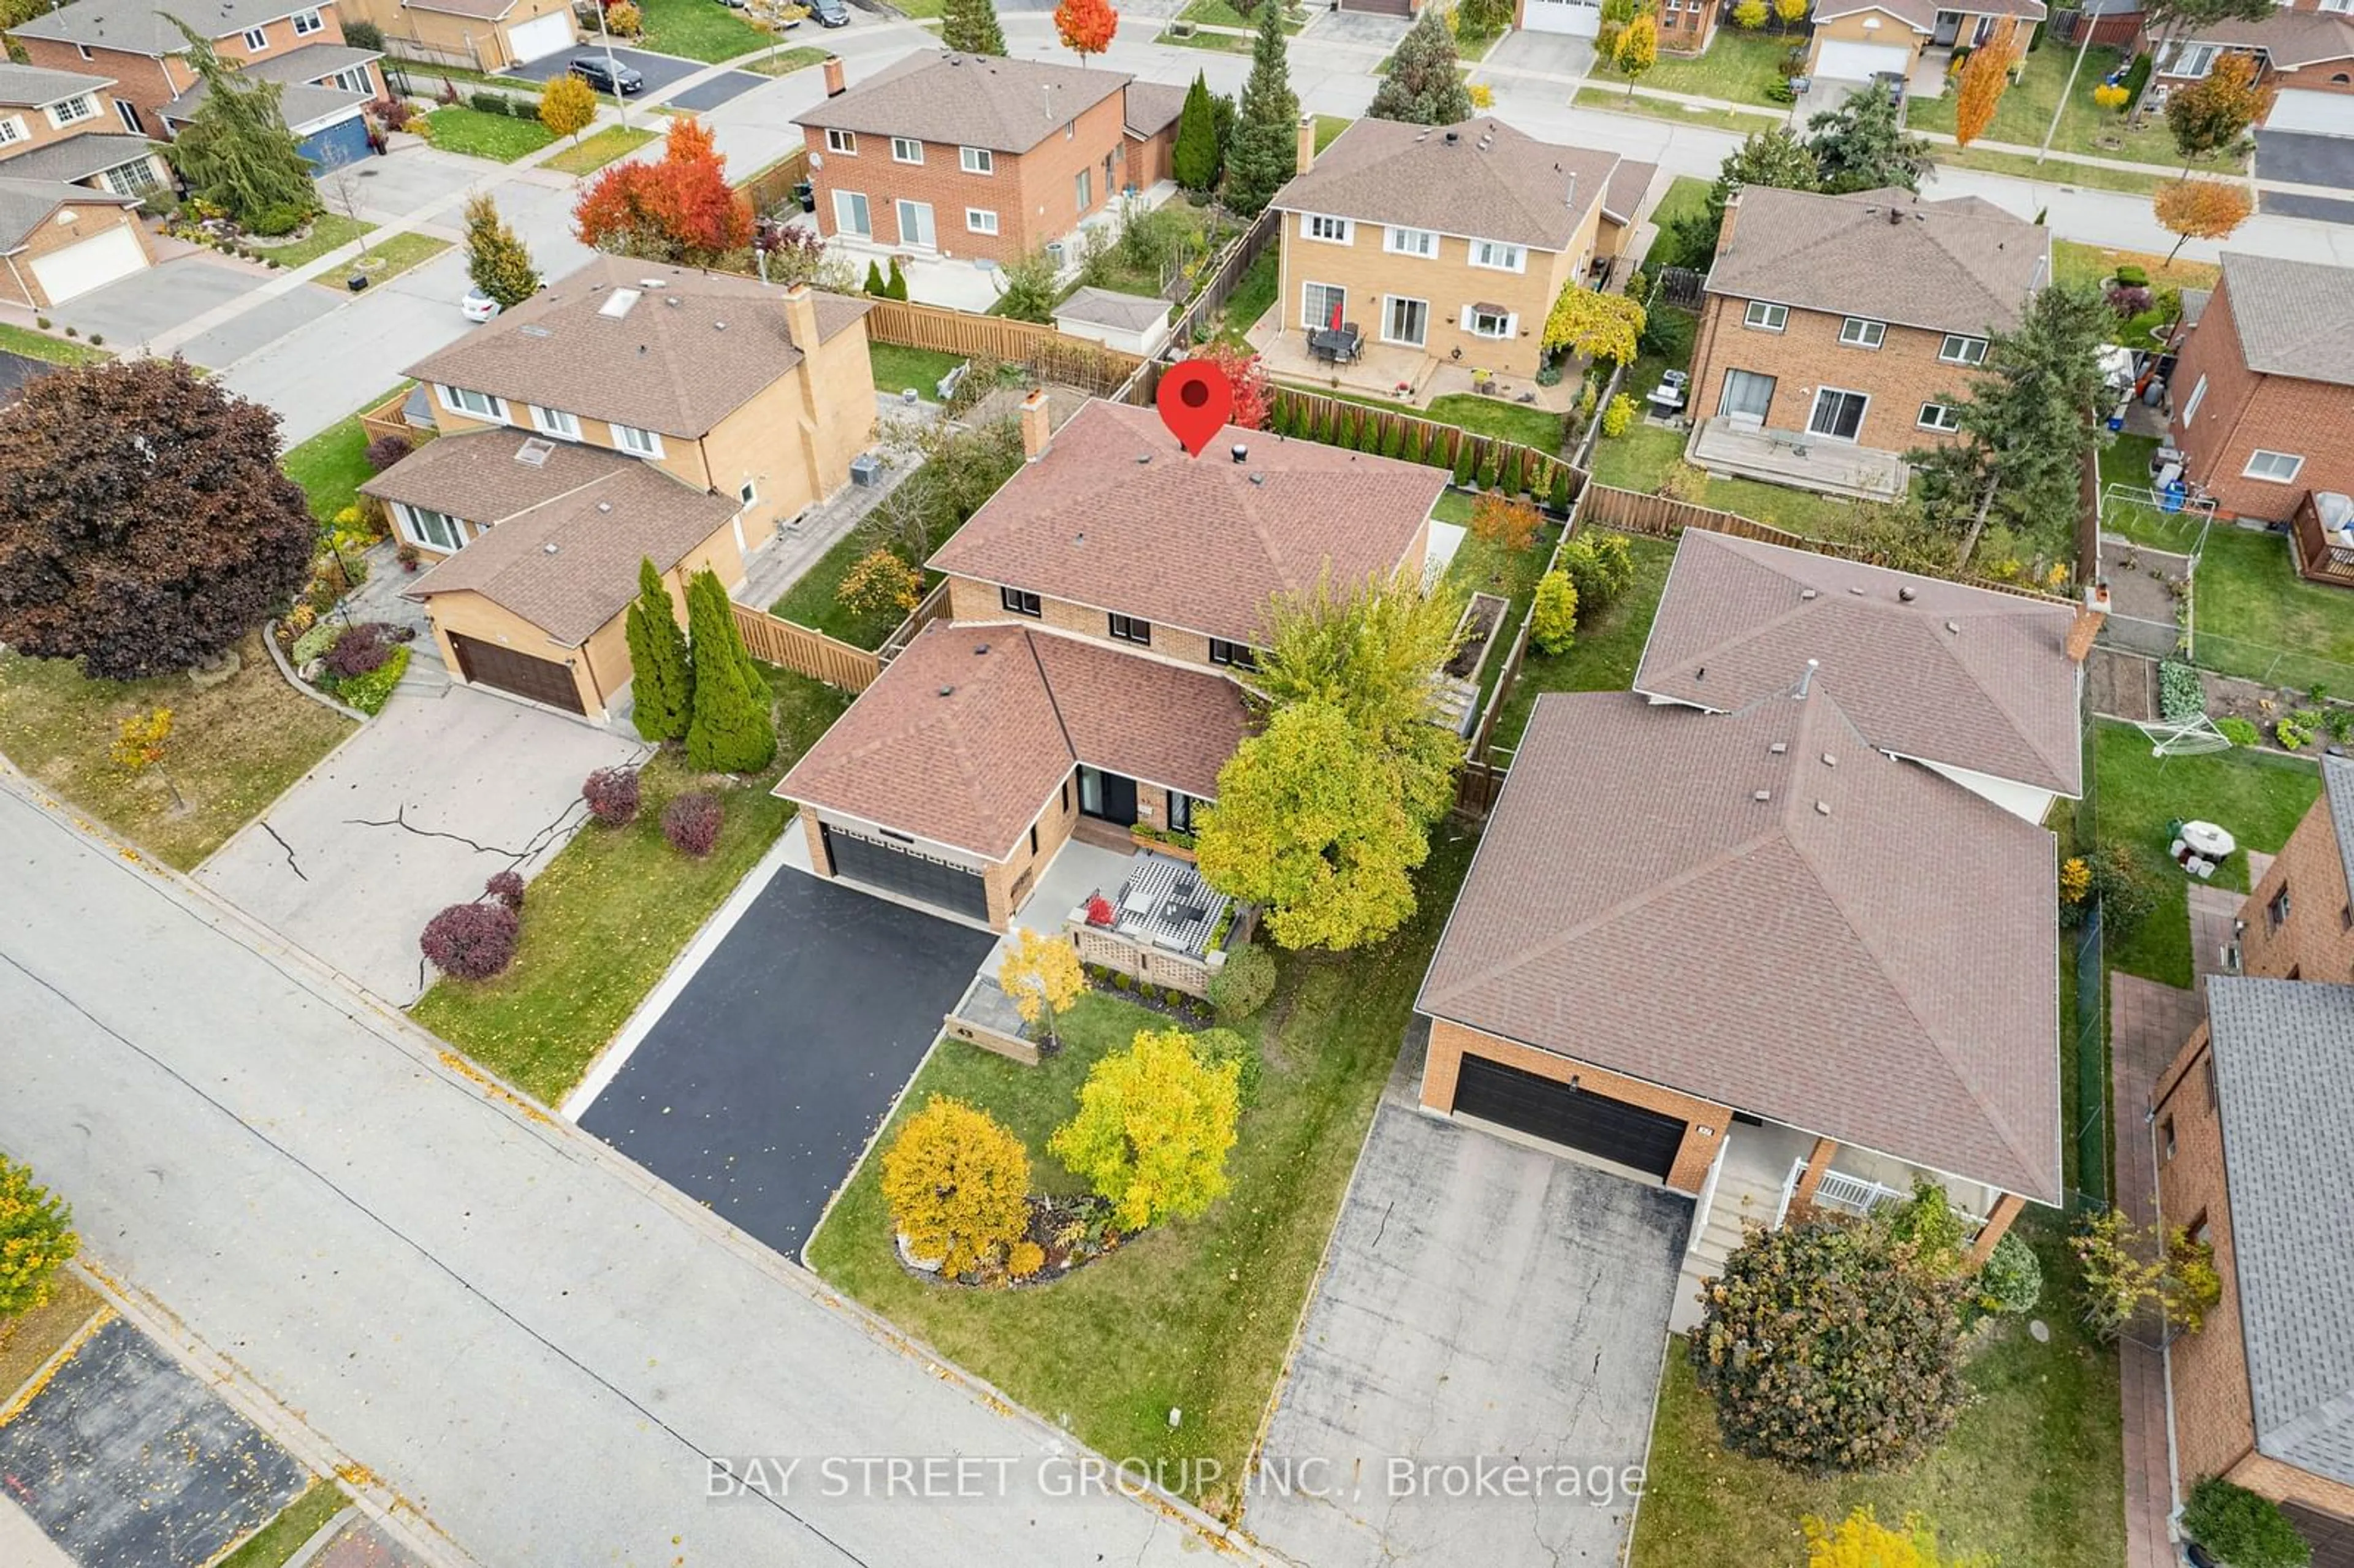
(1622, 198)
(1759, 910)
(679, 369)
(568, 532)
(2290, 38)
(2292, 318)
(301, 104)
(966, 733)
(141, 25)
(1962, 265)
(2284, 1055)
(1116, 516)
(967, 101)
(2337, 788)
(78, 157)
(36, 87)
(1962, 676)
(25, 205)
(1153, 107)
(1479, 178)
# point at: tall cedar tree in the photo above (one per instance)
(1423, 86)
(2210, 114)
(1861, 145)
(662, 680)
(1265, 151)
(2200, 209)
(1985, 75)
(236, 153)
(497, 261)
(731, 730)
(1193, 161)
(681, 209)
(1085, 27)
(145, 524)
(969, 26)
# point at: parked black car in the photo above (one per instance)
(616, 78)
(829, 13)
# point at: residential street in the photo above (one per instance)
(535, 1345)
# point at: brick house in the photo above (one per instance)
(2264, 390)
(480, 35)
(1451, 240)
(63, 125)
(68, 180)
(1089, 675)
(1685, 25)
(2305, 49)
(981, 156)
(327, 82)
(57, 240)
(1838, 328)
(630, 410)
(1857, 40)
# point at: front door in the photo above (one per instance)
(1838, 415)
(916, 224)
(1949, 26)
(1747, 395)
(1107, 796)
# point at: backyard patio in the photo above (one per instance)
(1784, 457)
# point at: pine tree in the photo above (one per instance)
(1560, 498)
(236, 153)
(969, 26)
(1193, 161)
(1330, 432)
(1487, 467)
(731, 731)
(1423, 87)
(496, 260)
(662, 680)
(1265, 151)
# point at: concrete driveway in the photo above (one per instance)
(144, 304)
(1542, 54)
(757, 1088)
(660, 70)
(1483, 1303)
(410, 815)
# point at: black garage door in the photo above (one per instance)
(541, 680)
(1607, 1129)
(907, 873)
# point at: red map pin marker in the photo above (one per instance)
(1194, 399)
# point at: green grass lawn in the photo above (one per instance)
(1738, 68)
(1196, 1314)
(2254, 616)
(897, 368)
(2258, 796)
(500, 137)
(2024, 112)
(2023, 166)
(54, 350)
(2090, 265)
(787, 61)
(1482, 566)
(1224, 43)
(395, 256)
(235, 747)
(1501, 417)
(1637, 459)
(613, 911)
(329, 231)
(1329, 128)
(1610, 644)
(1218, 14)
(1618, 100)
(591, 154)
(699, 29)
(31, 1337)
(2033, 1474)
(1685, 196)
(810, 601)
(1252, 297)
(331, 465)
(296, 1523)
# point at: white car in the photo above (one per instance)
(479, 306)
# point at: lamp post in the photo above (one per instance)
(2084, 20)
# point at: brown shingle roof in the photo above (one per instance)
(1202, 542)
(1491, 182)
(967, 101)
(679, 369)
(1962, 676)
(1153, 107)
(2289, 38)
(569, 532)
(1922, 14)
(2294, 318)
(963, 747)
(1869, 953)
(1622, 198)
(1950, 266)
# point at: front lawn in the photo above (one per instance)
(2033, 1474)
(235, 747)
(500, 137)
(29, 1338)
(1608, 647)
(2258, 796)
(1218, 14)
(329, 231)
(276, 1542)
(332, 466)
(41, 345)
(2023, 166)
(898, 368)
(699, 29)
(1195, 1316)
(392, 257)
(1618, 100)
(1501, 417)
(787, 61)
(614, 909)
(591, 154)
(1737, 68)
(2024, 112)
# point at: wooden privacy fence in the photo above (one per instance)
(1226, 276)
(806, 653)
(1361, 426)
(771, 188)
(1054, 355)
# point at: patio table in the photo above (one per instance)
(2208, 841)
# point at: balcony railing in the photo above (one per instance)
(1843, 1193)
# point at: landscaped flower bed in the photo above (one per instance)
(1069, 1232)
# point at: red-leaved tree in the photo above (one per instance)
(1247, 378)
(681, 209)
(1085, 27)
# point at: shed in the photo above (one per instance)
(1137, 323)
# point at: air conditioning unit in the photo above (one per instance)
(866, 471)
(1055, 251)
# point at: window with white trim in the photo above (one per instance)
(1486, 321)
(1020, 603)
(12, 128)
(73, 111)
(355, 80)
(1939, 417)
(1324, 227)
(1857, 333)
(84, 50)
(1421, 242)
(556, 423)
(2190, 409)
(1765, 317)
(976, 160)
(2277, 468)
(1083, 190)
(474, 405)
(256, 39)
(307, 22)
(637, 442)
(842, 142)
(137, 178)
(851, 215)
(907, 150)
(427, 529)
(2191, 60)
(1959, 350)
(979, 220)
(1323, 303)
(1500, 257)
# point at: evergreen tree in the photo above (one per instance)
(1393, 444)
(1265, 151)
(969, 26)
(1193, 161)
(897, 286)
(877, 289)
(1861, 145)
(662, 681)
(1463, 459)
(1423, 87)
(496, 260)
(236, 153)
(1777, 158)
(731, 731)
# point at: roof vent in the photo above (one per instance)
(641, 348)
(1258, 479)
(978, 648)
(947, 691)
(1806, 593)
(1701, 673)
(1143, 458)
(604, 506)
(1822, 808)
(549, 546)
(1829, 761)
(1906, 594)
(1778, 747)
(1954, 628)
(650, 283)
(718, 326)
(534, 452)
(532, 329)
(1856, 591)
(1452, 138)
(1239, 452)
(618, 306)
(1895, 219)
(1761, 795)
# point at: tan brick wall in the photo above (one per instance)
(1865, 27)
(2242, 411)
(1007, 882)
(2286, 1483)
(459, 35)
(595, 675)
(2314, 942)
(972, 600)
(1704, 1122)
(88, 219)
(1899, 376)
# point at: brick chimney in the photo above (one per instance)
(2089, 618)
(1307, 143)
(801, 317)
(834, 82)
(1732, 212)
(1036, 430)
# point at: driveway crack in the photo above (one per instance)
(290, 864)
(399, 819)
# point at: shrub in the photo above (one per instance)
(1749, 15)
(359, 650)
(1618, 416)
(1025, 1259)
(2130, 276)
(314, 643)
(1242, 987)
(2242, 1528)
(613, 796)
(370, 692)
(1600, 567)
(472, 941)
(2127, 891)
(958, 1184)
(2128, 301)
(2238, 731)
(691, 822)
(2109, 95)
(506, 886)
(2291, 733)
(1553, 621)
(879, 583)
(484, 102)
(2075, 880)
(385, 450)
(2011, 1278)
(37, 1238)
(624, 18)
(1153, 1130)
(273, 221)
(364, 34)
(2180, 695)
(1123, 981)
(1506, 523)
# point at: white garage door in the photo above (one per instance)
(79, 269)
(539, 38)
(2315, 113)
(1843, 61)
(1580, 18)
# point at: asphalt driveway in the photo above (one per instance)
(718, 89)
(759, 1087)
(2304, 160)
(660, 70)
(134, 309)
(410, 815)
(1483, 1304)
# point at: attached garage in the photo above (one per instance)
(2312, 114)
(1840, 59)
(905, 870)
(520, 674)
(333, 146)
(540, 38)
(89, 263)
(1557, 1111)
(1579, 19)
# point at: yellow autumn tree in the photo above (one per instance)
(568, 106)
(1985, 75)
(141, 743)
(1043, 976)
(2200, 209)
(958, 1185)
(1861, 1541)
(1154, 1126)
(1637, 48)
(1594, 325)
